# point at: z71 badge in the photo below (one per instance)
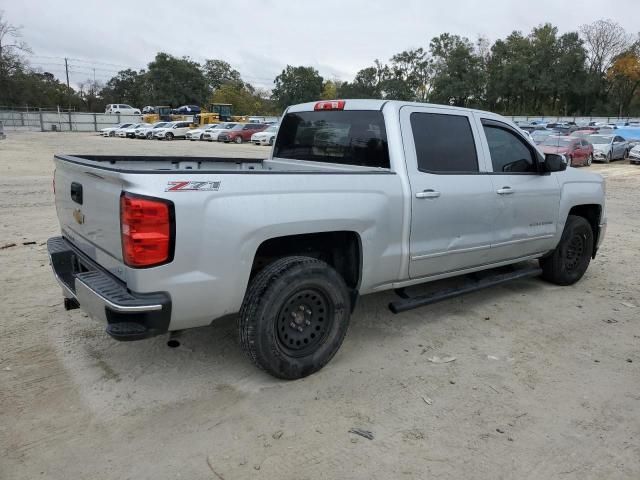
(192, 186)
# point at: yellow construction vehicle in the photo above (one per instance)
(160, 114)
(218, 112)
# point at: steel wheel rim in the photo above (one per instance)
(304, 322)
(574, 252)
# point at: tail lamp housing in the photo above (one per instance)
(329, 105)
(147, 227)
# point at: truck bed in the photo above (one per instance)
(167, 164)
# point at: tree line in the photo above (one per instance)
(593, 71)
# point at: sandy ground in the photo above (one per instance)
(545, 385)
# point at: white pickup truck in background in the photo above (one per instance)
(358, 196)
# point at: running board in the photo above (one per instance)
(409, 303)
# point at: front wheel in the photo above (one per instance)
(607, 159)
(294, 317)
(149, 136)
(570, 259)
(168, 136)
(238, 140)
(271, 140)
(589, 159)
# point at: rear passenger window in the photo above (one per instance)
(508, 152)
(444, 143)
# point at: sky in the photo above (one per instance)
(260, 37)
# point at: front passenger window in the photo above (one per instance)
(509, 154)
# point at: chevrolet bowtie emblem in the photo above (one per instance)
(79, 216)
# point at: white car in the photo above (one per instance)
(634, 155)
(121, 108)
(111, 131)
(173, 130)
(131, 131)
(265, 137)
(212, 135)
(147, 132)
(197, 133)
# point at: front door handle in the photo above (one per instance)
(428, 194)
(505, 191)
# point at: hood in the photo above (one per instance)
(553, 149)
(602, 147)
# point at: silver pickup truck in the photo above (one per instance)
(357, 197)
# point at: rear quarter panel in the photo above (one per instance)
(219, 232)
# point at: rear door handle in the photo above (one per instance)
(505, 191)
(428, 194)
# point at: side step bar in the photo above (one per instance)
(409, 303)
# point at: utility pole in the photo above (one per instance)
(66, 69)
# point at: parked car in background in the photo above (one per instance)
(197, 133)
(539, 136)
(565, 129)
(111, 131)
(212, 135)
(241, 132)
(577, 151)
(581, 133)
(634, 155)
(187, 110)
(2, 135)
(121, 108)
(608, 147)
(131, 131)
(172, 130)
(526, 134)
(148, 109)
(147, 132)
(266, 137)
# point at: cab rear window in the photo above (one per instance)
(352, 137)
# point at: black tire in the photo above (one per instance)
(239, 140)
(168, 136)
(149, 135)
(294, 317)
(271, 140)
(607, 159)
(568, 262)
(590, 160)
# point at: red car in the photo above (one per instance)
(578, 151)
(241, 132)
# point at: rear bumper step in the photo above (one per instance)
(409, 303)
(129, 315)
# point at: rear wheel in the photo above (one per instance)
(294, 317)
(568, 262)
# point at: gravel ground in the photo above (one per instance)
(545, 383)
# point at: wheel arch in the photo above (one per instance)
(341, 249)
(592, 212)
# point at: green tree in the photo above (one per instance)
(297, 85)
(175, 81)
(458, 77)
(408, 76)
(367, 83)
(128, 86)
(219, 72)
(245, 99)
(624, 78)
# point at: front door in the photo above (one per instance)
(528, 202)
(452, 198)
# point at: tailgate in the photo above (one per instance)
(88, 206)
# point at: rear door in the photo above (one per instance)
(452, 198)
(527, 202)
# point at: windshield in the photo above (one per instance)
(599, 139)
(557, 142)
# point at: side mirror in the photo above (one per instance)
(554, 163)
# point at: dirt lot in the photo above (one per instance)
(546, 381)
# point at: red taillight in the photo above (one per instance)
(330, 105)
(147, 230)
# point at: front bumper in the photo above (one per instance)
(128, 315)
